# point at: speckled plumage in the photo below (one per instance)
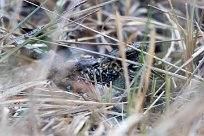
(106, 70)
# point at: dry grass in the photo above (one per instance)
(48, 97)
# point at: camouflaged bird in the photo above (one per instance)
(105, 70)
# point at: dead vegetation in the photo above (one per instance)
(96, 67)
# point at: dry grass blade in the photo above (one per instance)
(15, 90)
(146, 75)
(151, 106)
(127, 125)
(144, 21)
(95, 7)
(60, 101)
(122, 52)
(190, 46)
